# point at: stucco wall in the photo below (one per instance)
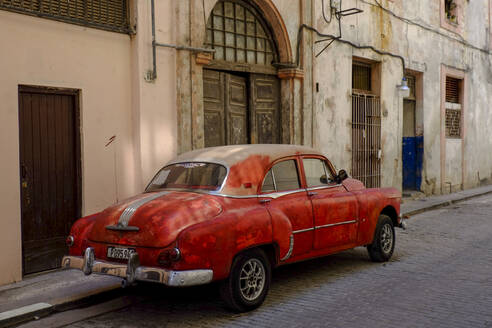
(46, 53)
(424, 50)
(110, 71)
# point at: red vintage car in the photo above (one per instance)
(231, 214)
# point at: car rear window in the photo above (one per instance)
(190, 175)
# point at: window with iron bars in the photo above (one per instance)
(453, 107)
(111, 15)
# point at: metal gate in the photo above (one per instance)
(366, 139)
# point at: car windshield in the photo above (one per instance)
(190, 175)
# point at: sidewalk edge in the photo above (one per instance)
(444, 203)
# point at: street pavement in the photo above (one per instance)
(440, 276)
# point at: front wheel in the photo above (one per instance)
(248, 282)
(383, 243)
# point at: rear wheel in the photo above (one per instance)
(248, 282)
(383, 243)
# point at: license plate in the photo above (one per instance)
(120, 252)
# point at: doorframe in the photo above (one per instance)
(419, 121)
(78, 143)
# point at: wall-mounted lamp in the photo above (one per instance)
(404, 85)
(403, 88)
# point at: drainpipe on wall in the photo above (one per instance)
(152, 75)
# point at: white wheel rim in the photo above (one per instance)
(386, 238)
(252, 279)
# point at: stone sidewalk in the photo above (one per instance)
(429, 203)
(55, 291)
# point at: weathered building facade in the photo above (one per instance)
(97, 95)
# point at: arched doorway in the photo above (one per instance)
(241, 90)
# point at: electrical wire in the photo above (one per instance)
(339, 39)
(323, 10)
(427, 28)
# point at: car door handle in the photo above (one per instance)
(312, 193)
(265, 200)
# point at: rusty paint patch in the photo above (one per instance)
(249, 171)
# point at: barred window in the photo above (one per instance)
(238, 34)
(109, 15)
(453, 107)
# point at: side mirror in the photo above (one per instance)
(342, 175)
(323, 179)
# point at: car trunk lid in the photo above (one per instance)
(153, 219)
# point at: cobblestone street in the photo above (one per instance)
(440, 276)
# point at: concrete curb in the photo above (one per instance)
(35, 311)
(25, 313)
(444, 203)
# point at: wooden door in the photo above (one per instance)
(225, 99)
(264, 104)
(49, 169)
(238, 110)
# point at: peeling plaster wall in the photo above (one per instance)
(424, 52)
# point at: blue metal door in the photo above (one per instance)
(412, 162)
(412, 149)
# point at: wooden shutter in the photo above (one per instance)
(452, 90)
(361, 77)
(214, 109)
(105, 14)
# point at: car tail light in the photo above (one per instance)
(69, 241)
(166, 257)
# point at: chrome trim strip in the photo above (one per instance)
(134, 206)
(122, 228)
(273, 178)
(335, 224)
(324, 187)
(323, 226)
(291, 248)
(278, 194)
(303, 230)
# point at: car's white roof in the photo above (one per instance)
(231, 155)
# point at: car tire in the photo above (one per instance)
(383, 244)
(249, 280)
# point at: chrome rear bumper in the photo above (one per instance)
(132, 271)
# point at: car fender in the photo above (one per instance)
(215, 243)
(282, 233)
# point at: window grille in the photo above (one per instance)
(361, 77)
(238, 34)
(109, 15)
(453, 108)
(453, 123)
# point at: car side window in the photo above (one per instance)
(317, 174)
(268, 184)
(282, 176)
